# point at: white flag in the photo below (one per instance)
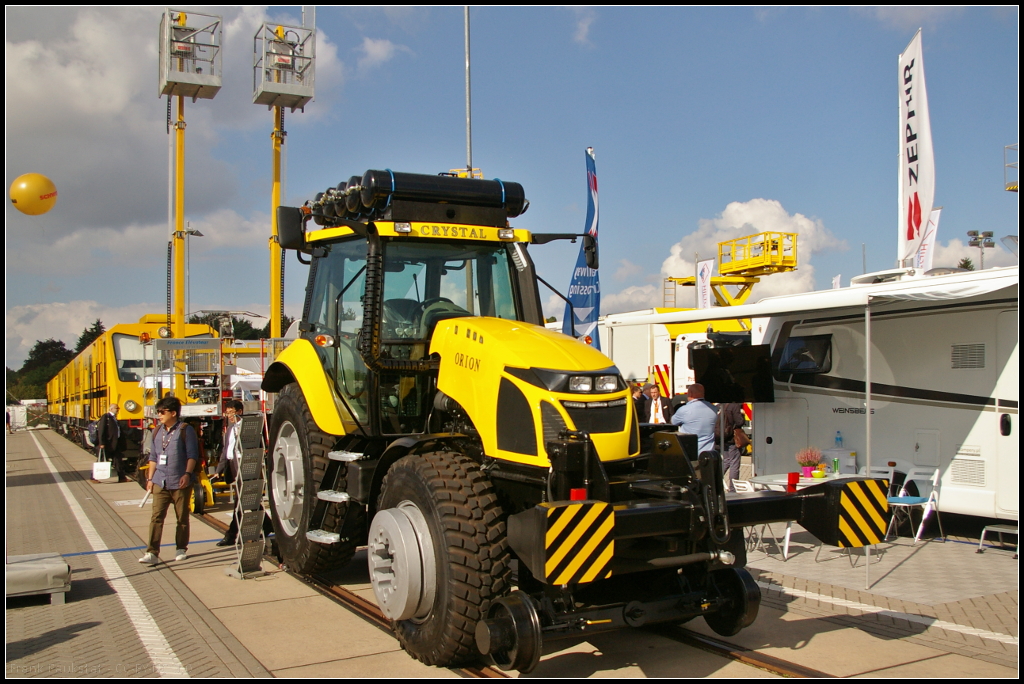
(926, 252)
(704, 270)
(836, 282)
(917, 161)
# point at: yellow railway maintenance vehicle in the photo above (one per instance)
(493, 467)
(111, 370)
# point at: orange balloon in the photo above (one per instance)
(33, 194)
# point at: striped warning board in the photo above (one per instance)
(578, 543)
(863, 513)
(658, 375)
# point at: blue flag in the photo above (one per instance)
(585, 287)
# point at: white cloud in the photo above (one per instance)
(633, 298)
(81, 92)
(952, 252)
(746, 218)
(585, 17)
(909, 17)
(627, 269)
(62, 321)
(376, 52)
(90, 250)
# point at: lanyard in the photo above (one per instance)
(166, 439)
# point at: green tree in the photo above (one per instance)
(966, 263)
(88, 335)
(286, 322)
(243, 327)
(46, 353)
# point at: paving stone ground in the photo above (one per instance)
(945, 581)
(91, 635)
(216, 630)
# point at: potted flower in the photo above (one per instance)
(808, 458)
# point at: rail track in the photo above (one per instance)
(372, 614)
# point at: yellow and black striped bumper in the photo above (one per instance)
(567, 542)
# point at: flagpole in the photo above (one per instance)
(469, 121)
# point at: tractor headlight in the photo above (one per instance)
(607, 383)
(130, 406)
(581, 383)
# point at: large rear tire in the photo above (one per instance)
(466, 529)
(296, 463)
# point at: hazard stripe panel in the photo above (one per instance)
(863, 513)
(578, 543)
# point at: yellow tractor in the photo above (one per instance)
(492, 467)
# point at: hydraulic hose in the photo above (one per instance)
(369, 335)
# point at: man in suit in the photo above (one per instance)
(657, 409)
(112, 441)
(230, 457)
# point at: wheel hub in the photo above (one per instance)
(288, 479)
(400, 556)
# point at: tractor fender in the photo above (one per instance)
(403, 447)
(300, 363)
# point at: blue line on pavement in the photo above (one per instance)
(130, 548)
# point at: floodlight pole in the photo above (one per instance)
(276, 279)
(178, 322)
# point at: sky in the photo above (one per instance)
(707, 123)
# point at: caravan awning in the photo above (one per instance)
(929, 288)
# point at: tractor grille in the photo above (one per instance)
(597, 419)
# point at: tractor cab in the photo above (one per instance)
(382, 278)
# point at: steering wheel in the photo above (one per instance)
(433, 300)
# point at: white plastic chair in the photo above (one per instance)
(756, 539)
(927, 481)
(881, 472)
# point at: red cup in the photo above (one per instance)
(794, 478)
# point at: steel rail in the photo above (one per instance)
(370, 612)
(741, 654)
(361, 607)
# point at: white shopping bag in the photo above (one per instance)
(101, 469)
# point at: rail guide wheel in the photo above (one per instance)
(511, 634)
(742, 600)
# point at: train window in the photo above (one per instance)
(809, 354)
(130, 357)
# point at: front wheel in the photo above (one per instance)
(437, 554)
(296, 463)
(198, 499)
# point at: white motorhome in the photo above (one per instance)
(943, 370)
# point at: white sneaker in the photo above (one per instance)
(181, 555)
(149, 559)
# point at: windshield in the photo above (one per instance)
(132, 357)
(428, 282)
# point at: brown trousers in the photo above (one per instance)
(162, 499)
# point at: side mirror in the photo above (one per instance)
(590, 250)
(290, 232)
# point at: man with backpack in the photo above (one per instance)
(171, 474)
(110, 441)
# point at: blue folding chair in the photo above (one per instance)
(902, 506)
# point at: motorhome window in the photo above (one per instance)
(811, 354)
